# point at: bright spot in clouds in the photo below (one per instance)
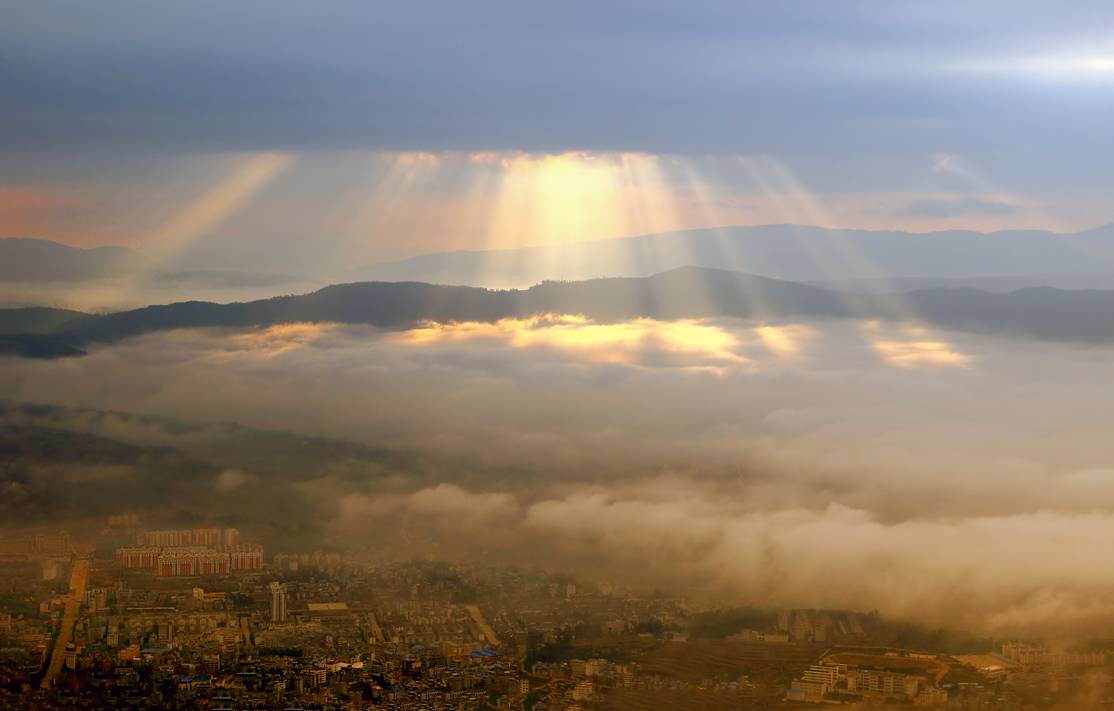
(785, 341)
(706, 344)
(692, 342)
(1049, 66)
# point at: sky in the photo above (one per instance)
(375, 131)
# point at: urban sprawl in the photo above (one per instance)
(203, 618)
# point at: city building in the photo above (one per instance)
(245, 556)
(191, 561)
(138, 557)
(278, 602)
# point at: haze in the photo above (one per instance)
(741, 307)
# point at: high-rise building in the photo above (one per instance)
(190, 562)
(206, 537)
(51, 543)
(181, 537)
(192, 552)
(278, 602)
(70, 658)
(138, 557)
(246, 556)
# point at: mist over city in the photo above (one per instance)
(582, 356)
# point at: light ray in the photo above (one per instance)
(916, 345)
(217, 203)
(198, 219)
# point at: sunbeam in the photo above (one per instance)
(208, 211)
(511, 200)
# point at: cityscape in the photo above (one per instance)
(591, 355)
(201, 618)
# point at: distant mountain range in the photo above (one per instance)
(793, 252)
(690, 292)
(31, 260)
(854, 260)
(36, 272)
(1000, 284)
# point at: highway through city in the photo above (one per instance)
(481, 622)
(79, 576)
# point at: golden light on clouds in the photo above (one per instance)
(912, 346)
(910, 354)
(711, 345)
(785, 341)
(916, 353)
(271, 341)
(682, 343)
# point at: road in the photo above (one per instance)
(79, 576)
(481, 622)
(376, 630)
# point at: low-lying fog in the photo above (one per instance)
(957, 479)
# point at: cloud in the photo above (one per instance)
(777, 477)
(232, 479)
(156, 109)
(501, 75)
(449, 504)
(997, 573)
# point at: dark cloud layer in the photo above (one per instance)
(827, 80)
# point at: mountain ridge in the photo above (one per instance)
(689, 292)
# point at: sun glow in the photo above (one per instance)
(507, 200)
(575, 196)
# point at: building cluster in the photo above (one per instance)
(324, 630)
(191, 553)
(871, 677)
(316, 560)
(35, 545)
(1029, 655)
(209, 537)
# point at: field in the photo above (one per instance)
(657, 699)
(695, 661)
